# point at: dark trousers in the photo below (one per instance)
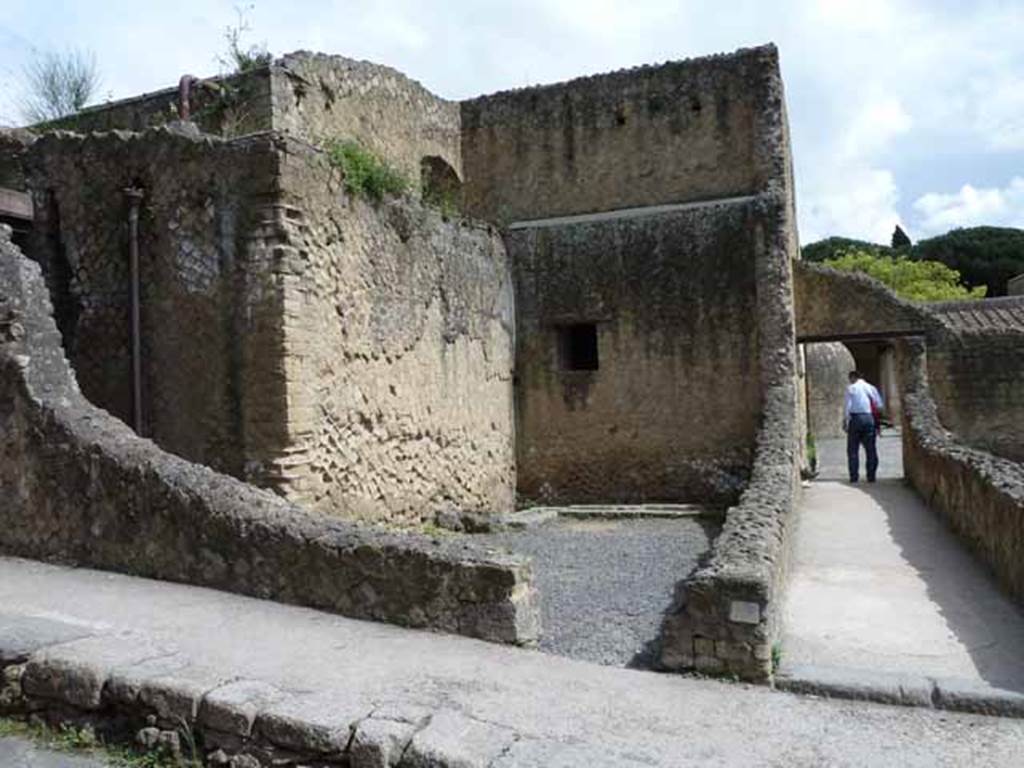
(861, 431)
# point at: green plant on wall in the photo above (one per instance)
(239, 57)
(366, 175)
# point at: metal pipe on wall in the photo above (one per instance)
(134, 196)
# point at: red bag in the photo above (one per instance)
(876, 414)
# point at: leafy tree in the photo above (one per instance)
(987, 256)
(58, 84)
(831, 247)
(984, 256)
(899, 238)
(908, 278)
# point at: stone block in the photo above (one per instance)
(379, 743)
(232, 708)
(76, 672)
(452, 739)
(321, 723)
(176, 698)
(21, 636)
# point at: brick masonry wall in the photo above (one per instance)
(677, 132)
(77, 486)
(398, 354)
(202, 201)
(981, 495)
(672, 412)
(318, 97)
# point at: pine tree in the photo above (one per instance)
(899, 238)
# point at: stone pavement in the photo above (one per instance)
(18, 753)
(885, 602)
(455, 701)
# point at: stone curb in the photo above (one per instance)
(947, 693)
(129, 688)
(534, 516)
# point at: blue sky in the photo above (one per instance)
(902, 111)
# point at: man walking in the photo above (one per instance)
(862, 401)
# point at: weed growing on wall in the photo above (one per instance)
(366, 175)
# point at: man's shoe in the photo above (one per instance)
(871, 479)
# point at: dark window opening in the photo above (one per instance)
(577, 347)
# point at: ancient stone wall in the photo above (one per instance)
(77, 486)
(669, 411)
(200, 309)
(318, 97)
(828, 367)
(726, 615)
(673, 133)
(977, 381)
(975, 349)
(228, 106)
(398, 354)
(981, 495)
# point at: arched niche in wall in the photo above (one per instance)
(440, 183)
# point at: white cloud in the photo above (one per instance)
(971, 207)
(858, 203)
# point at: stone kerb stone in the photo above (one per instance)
(79, 486)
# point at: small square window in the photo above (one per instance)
(577, 347)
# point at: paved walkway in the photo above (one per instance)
(537, 709)
(883, 595)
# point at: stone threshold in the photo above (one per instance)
(909, 690)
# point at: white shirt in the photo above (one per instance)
(859, 397)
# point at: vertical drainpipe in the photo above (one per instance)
(134, 196)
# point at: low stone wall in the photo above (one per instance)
(981, 495)
(78, 486)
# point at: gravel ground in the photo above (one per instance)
(606, 584)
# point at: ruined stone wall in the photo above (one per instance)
(980, 495)
(828, 368)
(398, 354)
(678, 132)
(77, 486)
(318, 97)
(201, 315)
(977, 380)
(227, 106)
(975, 350)
(671, 412)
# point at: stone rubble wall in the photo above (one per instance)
(223, 105)
(77, 486)
(207, 319)
(980, 495)
(976, 378)
(318, 97)
(676, 132)
(975, 350)
(726, 615)
(398, 333)
(672, 412)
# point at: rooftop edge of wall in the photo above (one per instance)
(767, 52)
